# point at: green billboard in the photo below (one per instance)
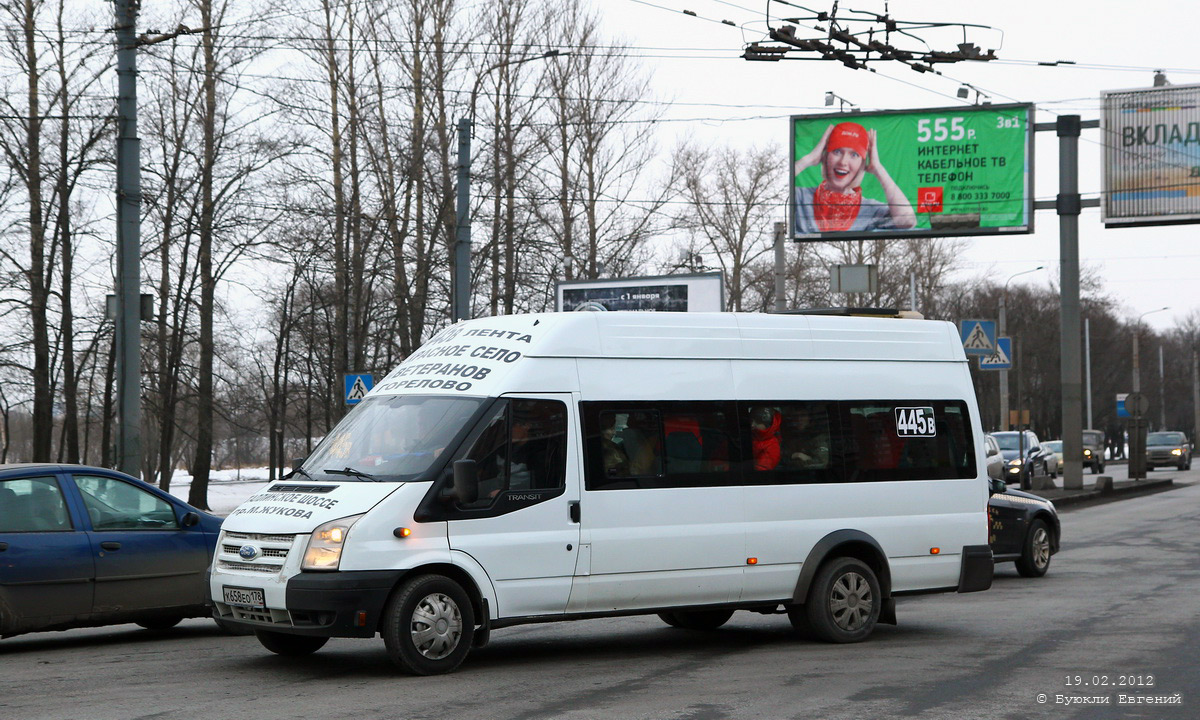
(912, 173)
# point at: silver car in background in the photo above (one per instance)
(1168, 448)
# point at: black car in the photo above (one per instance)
(1024, 529)
(85, 546)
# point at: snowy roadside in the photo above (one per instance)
(226, 488)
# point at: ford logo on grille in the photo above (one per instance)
(248, 552)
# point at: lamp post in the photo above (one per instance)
(1137, 327)
(1137, 427)
(460, 279)
(1003, 332)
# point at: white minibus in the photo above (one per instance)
(558, 466)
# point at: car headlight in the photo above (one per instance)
(324, 551)
(1015, 461)
(1087, 453)
(1177, 451)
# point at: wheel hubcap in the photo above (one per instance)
(850, 601)
(1041, 548)
(436, 626)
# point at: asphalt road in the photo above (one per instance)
(1122, 600)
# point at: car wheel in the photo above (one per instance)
(696, 619)
(1035, 555)
(844, 602)
(428, 625)
(290, 645)
(1149, 467)
(163, 623)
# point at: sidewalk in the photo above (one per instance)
(1120, 488)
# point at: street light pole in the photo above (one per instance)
(1137, 434)
(1137, 330)
(460, 295)
(1003, 332)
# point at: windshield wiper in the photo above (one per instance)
(349, 471)
(297, 470)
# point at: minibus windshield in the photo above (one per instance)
(390, 438)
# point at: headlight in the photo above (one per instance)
(1015, 461)
(324, 551)
(1177, 451)
(1087, 453)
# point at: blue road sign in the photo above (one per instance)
(357, 386)
(1122, 411)
(978, 336)
(999, 360)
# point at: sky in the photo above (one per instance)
(695, 65)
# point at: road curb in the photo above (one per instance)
(1125, 489)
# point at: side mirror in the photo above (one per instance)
(189, 519)
(466, 481)
(992, 451)
(998, 486)
(297, 462)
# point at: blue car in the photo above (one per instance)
(84, 546)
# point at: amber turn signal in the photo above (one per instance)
(751, 561)
(934, 551)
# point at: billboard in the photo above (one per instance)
(912, 173)
(703, 292)
(1151, 155)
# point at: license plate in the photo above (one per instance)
(244, 597)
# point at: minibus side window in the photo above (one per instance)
(907, 440)
(661, 444)
(522, 447)
(790, 442)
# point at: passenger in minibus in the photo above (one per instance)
(764, 431)
(806, 439)
(616, 462)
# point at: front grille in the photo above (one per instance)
(262, 568)
(231, 535)
(273, 552)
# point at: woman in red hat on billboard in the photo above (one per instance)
(846, 153)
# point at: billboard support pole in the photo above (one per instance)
(1068, 206)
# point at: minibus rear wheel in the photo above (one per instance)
(844, 602)
(696, 619)
(428, 625)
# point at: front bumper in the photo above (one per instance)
(336, 604)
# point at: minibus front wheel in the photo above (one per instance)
(428, 625)
(843, 603)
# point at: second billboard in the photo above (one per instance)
(912, 173)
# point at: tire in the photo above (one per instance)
(1035, 553)
(1096, 469)
(844, 601)
(696, 619)
(290, 645)
(428, 625)
(1149, 467)
(160, 624)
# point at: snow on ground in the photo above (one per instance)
(226, 488)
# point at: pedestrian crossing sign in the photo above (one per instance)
(978, 336)
(999, 360)
(357, 386)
